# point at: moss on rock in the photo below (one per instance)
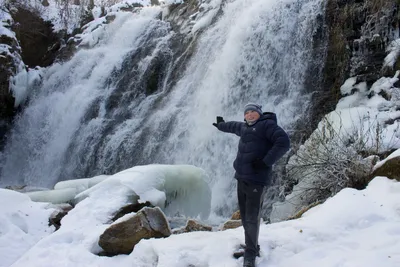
(390, 169)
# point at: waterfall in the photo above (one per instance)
(126, 101)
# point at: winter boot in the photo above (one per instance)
(249, 262)
(240, 252)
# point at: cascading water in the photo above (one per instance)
(125, 102)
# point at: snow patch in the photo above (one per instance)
(347, 87)
(177, 189)
(5, 21)
(22, 224)
(394, 52)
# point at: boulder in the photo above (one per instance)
(236, 215)
(192, 226)
(231, 224)
(121, 237)
(389, 169)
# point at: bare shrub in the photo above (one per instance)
(334, 158)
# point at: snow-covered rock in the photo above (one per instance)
(122, 236)
(389, 167)
(65, 195)
(177, 189)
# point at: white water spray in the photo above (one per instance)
(254, 51)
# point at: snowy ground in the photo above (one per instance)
(354, 228)
(22, 224)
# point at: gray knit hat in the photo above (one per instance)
(254, 107)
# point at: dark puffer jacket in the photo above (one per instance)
(263, 141)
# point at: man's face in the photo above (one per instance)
(251, 115)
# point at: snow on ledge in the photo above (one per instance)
(393, 155)
(394, 52)
(177, 189)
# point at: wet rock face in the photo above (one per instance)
(359, 32)
(390, 169)
(8, 67)
(365, 29)
(39, 44)
(379, 26)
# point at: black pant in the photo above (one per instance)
(250, 197)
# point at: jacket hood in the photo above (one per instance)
(268, 116)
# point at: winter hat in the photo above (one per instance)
(254, 107)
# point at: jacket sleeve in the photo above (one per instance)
(280, 143)
(234, 127)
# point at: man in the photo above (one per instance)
(262, 142)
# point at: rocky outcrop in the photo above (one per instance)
(234, 222)
(34, 44)
(9, 61)
(38, 42)
(389, 169)
(121, 237)
(193, 226)
(231, 224)
(359, 34)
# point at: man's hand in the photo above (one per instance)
(219, 120)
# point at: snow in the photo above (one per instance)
(53, 196)
(178, 189)
(23, 81)
(81, 184)
(353, 228)
(170, 2)
(182, 187)
(5, 19)
(66, 191)
(394, 52)
(123, 4)
(367, 110)
(347, 87)
(391, 156)
(22, 224)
